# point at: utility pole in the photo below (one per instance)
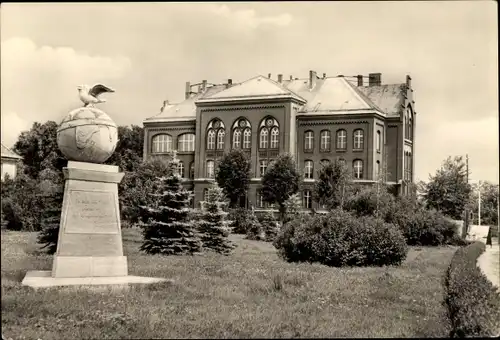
(479, 204)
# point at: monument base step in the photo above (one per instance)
(44, 279)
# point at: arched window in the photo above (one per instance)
(215, 135)
(161, 143)
(180, 168)
(410, 129)
(185, 142)
(358, 139)
(308, 141)
(358, 169)
(264, 138)
(275, 133)
(308, 169)
(210, 169)
(307, 199)
(236, 139)
(269, 127)
(191, 170)
(378, 140)
(211, 139)
(263, 167)
(247, 138)
(377, 170)
(326, 141)
(220, 139)
(242, 127)
(341, 139)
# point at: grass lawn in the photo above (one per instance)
(251, 293)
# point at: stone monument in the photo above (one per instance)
(89, 249)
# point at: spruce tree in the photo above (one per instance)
(167, 229)
(52, 193)
(213, 225)
(269, 226)
(253, 227)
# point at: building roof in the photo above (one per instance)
(389, 98)
(185, 110)
(327, 96)
(8, 153)
(330, 94)
(257, 87)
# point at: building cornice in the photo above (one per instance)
(330, 122)
(242, 108)
(171, 128)
(249, 99)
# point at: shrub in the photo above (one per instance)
(427, 228)
(253, 227)
(473, 302)
(269, 226)
(242, 220)
(340, 239)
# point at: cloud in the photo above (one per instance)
(248, 18)
(12, 126)
(39, 82)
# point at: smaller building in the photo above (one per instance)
(9, 163)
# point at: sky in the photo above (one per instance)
(147, 51)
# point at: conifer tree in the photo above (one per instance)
(52, 192)
(213, 225)
(254, 228)
(167, 229)
(269, 226)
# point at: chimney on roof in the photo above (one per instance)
(340, 75)
(188, 90)
(291, 78)
(203, 85)
(280, 78)
(375, 79)
(269, 75)
(324, 75)
(229, 83)
(312, 79)
(360, 80)
(408, 81)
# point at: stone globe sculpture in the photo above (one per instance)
(88, 134)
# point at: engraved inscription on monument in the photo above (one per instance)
(92, 212)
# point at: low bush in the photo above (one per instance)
(426, 228)
(253, 227)
(269, 226)
(243, 221)
(341, 239)
(472, 300)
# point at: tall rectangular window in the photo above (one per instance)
(307, 199)
(325, 141)
(210, 169)
(263, 167)
(308, 141)
(341, 140)
(378, 141)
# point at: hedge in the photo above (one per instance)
(473, 302)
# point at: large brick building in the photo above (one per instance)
(369, 126)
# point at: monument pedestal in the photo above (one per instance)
(89, 249)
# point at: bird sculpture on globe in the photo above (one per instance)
(88, 134)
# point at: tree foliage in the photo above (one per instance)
(233, 175)
(334, 185)
(168, 229)
(39, 149)
(448, 190)
(280, 181)
(212, 225)
(489, 203)
(129, 150)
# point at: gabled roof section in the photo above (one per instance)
(330, 95)
(185, 110)
(8, 153)
(259, 87)
(390, 98)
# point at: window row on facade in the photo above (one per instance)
(163, 142)
(357, 167)
(341, 138)
(241, 134)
